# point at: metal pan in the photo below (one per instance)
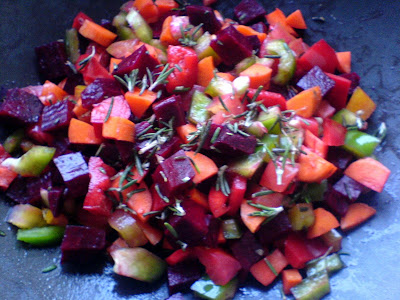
(366, 28)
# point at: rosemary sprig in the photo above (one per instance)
(223, 104)
(138, 163)
(270, 266)
(171, 229)
(266, 211)
(189, 38)
(203, 136)
(162, 77)
(164, 198)
(177, 209)
(49, 268)
(191, 161)
(109, 110)
(85, 61)
(2, 233)
(130, 80)
(262, 193)
(222, 183)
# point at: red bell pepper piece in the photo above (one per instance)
(334, 133)
(325, 110)
(96, 200)
(185, 62)
(220, 266)
(337, 96)
(6, 177)
(269, 178)
(79, 19)
(315, 144)
(179, 256)
(238, 188)
(269, 98)
(218, 202)
(3, 154)
(320, 54)
(307, 124)
(296, 251)
(92, 70)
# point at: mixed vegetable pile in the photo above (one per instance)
(187, 144)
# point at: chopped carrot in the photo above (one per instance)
(80, 112)
(253, 223)
(139, 103)
(267, 269)
(356, 214)
(147, 9)
(324, 221)
(205, 71)
(117, 184)
(153, 234)
(198, 197)
(306, 102)
(51, 93)
(225, 76)
(361, 103)
(80, 132)
(113, 63)
(314, 168)
(166, 36)
(204, 166)
(48, 216)
(316, 144)
(344, 59)
(185, 130)
(120, 129)
(259, 75)
(141, 202)
(165, 6)
(290, 278)
(247, 31)
(97, 33)
(368, 172)
(6, 177)
(277, 16)
(296, 20)
(218, 202)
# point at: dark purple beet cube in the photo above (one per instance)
(341, 159)
(55, 197)
(125, 151)
(349, 188)
(21, 106)
(336, 202)
(174, 174)
(98, 90)
(177, 296)
(169, 147)
(191, 227)
(238, 45)
(213, 128)
(203, 15)
(142, 128)
(275, 229)
(260, 27)
(57, 115)
(25, 190)
(355, 80)
(181, 276)
(140, 59)
(235, 144)
(316, 77)
(81, 244)
(247, 250)
(249, 11)
(214, 226)
(72, 81)
(255, 43)
(52, 60)
(74, 172)
(170, 108)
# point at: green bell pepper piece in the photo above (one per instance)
(271, 121)
(72, 45)
(360, 144)
(269, 141)
(247, 166)
(315, 191)
(332, 263)
(219, 86)
(345, 117)
(140, 27)
(313, 287)
(198, 112)
(287, 61)
(205, 288)
(13, 141)
(231, 229)
(41, 236)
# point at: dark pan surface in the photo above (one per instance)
(368, 28)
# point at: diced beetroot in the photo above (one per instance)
(82, 244)
(191, 227)
(72, 81)
(52, 60)
(214, 226)
(249, 11)
(75, 173)
(341, 159)
(140, 59)
(234, 143)
(213, 128)
(349, 188)
(247, 250)
(260, 27)
(57, 115)
(125, 151)
(316, 77)
(355, 80)
(181, 276)
(25, 190)
(275, 229)
(237, 43)
(96, 200)
(36, 133)
(141, 128)
(296, 251)
(177, 296)
(317, 247)
(100, 110)
(268, 98)
(187, 96)
(338, 95)
(255, 43)
(158, 203)
(169, 147)
(98, 90)
(21, 106)
(168, 109)
(174, 174)
(336, 202)
(101, 54)
(203, 15)
(56, 200)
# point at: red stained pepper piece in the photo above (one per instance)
(320, 54)
(334, 133)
